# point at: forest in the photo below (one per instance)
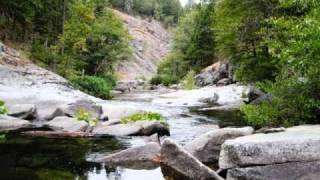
(159, 89)
(271, 44)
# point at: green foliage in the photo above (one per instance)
(95, 42)
(46, 174)
(3, 137)
(295, 92)
(262, 115)
(167, 11)
(193, 44)
(96, 86)
(170, 70)
(189, 82)
(71, 37)
(241, 30)
(145, 7)
(3, 108)
(164, 79)
(83, 115)
(144, 116)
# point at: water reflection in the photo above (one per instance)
(120, 173)
(63, 159)
(54, 159)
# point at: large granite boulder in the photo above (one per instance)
(252, 93)
(296, 144)
(207, 147)
(137, 157)
(213, 74)
(8, 123)
(23, 111)
(140, 128)
(67, 124)
(72, 109)
(224, 82)
(179, 164)
(286, 171)
(213, 100)
(114, 113)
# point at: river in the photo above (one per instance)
(54, 159)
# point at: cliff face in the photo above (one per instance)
(150, 44)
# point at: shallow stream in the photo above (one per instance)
(54, 159)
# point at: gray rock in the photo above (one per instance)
(154, 138)
(286, 171)
(224, 82)
(127, 86)
(213, 74)
(210, 100)
(261, 99)
(271, 130)
(207, 147)
(11, 52)
(207, 78)
(8, 123)
(46, 110)
(67, 124)
(179, 164)
(57, 113)
(176, 86)
(140, 128)
(137, 157)
(114, 113)
(252, 93)
(296, 144)
(84, 104)
(23, 111)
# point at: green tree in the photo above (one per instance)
(241, 28)
(295, 97)
(193, 44)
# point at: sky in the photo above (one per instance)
(184, 2)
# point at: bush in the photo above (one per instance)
(295, 101)
(95, 86)
(83, 115)
(3, 108)
(189, 82)
(165, 80)
(261, 115)
(145, 116)
(256, 69)
(171, 70)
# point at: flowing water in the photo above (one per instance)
(54, 159)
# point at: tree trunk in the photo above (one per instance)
(63, 21)
(128, 6)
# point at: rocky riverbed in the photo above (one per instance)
(45, 139)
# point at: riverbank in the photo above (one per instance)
(42, 124)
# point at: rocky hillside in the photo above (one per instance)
(22, 82)
(150, 43)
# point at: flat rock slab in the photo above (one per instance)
(8, 123)
(231, 94)
(296, 144)
(175, 161)
(142, 157)
(207, 147)
(23, 111)
(67, 124)
(114, 113)
(286, 171)
(140, 128)
(86, 105)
